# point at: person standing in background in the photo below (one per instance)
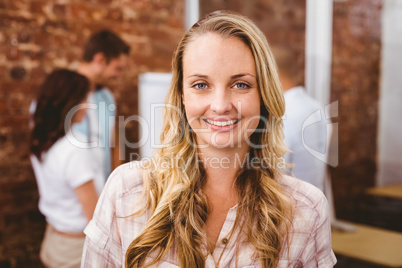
(299, 107)
(104, 60)
(69, 181)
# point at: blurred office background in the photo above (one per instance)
(359, 70)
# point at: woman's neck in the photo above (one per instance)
(222, 166)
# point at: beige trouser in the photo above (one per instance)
(61, 250)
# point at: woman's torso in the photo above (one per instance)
(65, 166)
(308, 206)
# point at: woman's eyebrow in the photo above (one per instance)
(233, 76)
(241, 75)
(198, 75)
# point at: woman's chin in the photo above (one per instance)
(226, 140)
(224, 143)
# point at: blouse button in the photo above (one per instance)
(225, 241)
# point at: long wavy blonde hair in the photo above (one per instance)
(174, 179)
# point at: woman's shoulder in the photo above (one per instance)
(125, 180)
(70, 143)
(302, 193)
(310, 234)
(63, 149)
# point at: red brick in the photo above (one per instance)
(42, 39)
(9, 88)
(355, 82)
(37, 74)
(13, 54)
(37, 7)
(115, 14)
(23, 37)
(13, 121)
(3, 5)
(3, 74)
(2, 107)
(79, 11)
(18, 73)
(105, 1)
(5, 21)
(59, 10)
(17, 5)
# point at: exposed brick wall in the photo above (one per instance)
(355, 83)
(38, 36)
(282, 21)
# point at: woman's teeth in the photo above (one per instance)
(222, 123)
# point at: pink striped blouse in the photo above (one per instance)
(110, 233)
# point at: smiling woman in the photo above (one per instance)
(214, 195)
(221, 94)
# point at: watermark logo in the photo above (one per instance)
(100, 119)
(323, 117)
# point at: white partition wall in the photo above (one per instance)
(192, 13)
(153, 88)
(390, 127)
(318, 49)
(318, 82)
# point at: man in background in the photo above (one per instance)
(299, 135)
(104, 60)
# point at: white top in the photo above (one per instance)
(112, 230)
(64, 167)
(303, 138)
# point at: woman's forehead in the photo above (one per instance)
(210, 53)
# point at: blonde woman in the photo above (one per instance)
(214, 195)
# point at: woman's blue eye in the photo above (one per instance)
(201, 86)
(241, 86)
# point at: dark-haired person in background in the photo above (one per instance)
(104, 60)
(68, 180)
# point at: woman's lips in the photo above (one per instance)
(222, 125)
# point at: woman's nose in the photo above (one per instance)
(221, 102)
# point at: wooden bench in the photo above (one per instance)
(369, 244)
